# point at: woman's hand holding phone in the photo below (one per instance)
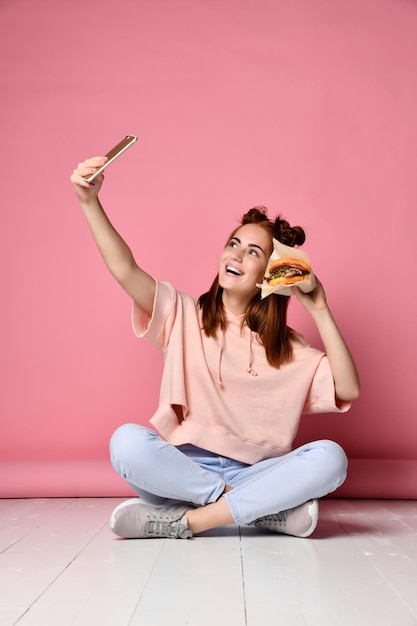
(86, 191)
(88, 177)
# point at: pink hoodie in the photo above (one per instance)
(233, 402)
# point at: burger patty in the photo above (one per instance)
(287, 271)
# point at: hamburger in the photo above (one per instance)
(288, 271)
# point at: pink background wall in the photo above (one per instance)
(308, 107)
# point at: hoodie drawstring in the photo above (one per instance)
(249, 369)
(219, 366)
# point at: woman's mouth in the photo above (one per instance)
(233, 270)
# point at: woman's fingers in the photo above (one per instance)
(85, 169)
(90, 166)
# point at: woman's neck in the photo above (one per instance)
(235, 305)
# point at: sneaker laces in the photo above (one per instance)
(280, 518)
(155, 527)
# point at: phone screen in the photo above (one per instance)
(113, 154)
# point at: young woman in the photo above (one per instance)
(236, 381)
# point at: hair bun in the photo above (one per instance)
(289, 235)
(280, 228)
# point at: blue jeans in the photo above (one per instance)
(163, 474)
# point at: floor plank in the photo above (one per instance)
(61, 529)
(389, 549)
(20, 517)
(61, 565)
(198, 583)
(289, 578)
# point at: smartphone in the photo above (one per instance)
(112, 155)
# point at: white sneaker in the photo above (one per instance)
(299, 522)
(134, 520)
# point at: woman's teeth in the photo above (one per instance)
(232, 270)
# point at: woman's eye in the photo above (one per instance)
(233, 244)
(253, 252)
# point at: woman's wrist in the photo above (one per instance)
(90, 204)
(323, 317)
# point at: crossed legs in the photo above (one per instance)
(164, 475)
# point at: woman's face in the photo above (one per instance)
(244, 260)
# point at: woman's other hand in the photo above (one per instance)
(313, 301)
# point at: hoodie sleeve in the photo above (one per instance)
(157, 327)
(321, 396)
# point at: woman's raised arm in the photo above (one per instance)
(345, 375)
(116, 253)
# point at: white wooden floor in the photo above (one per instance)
(61, 565)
